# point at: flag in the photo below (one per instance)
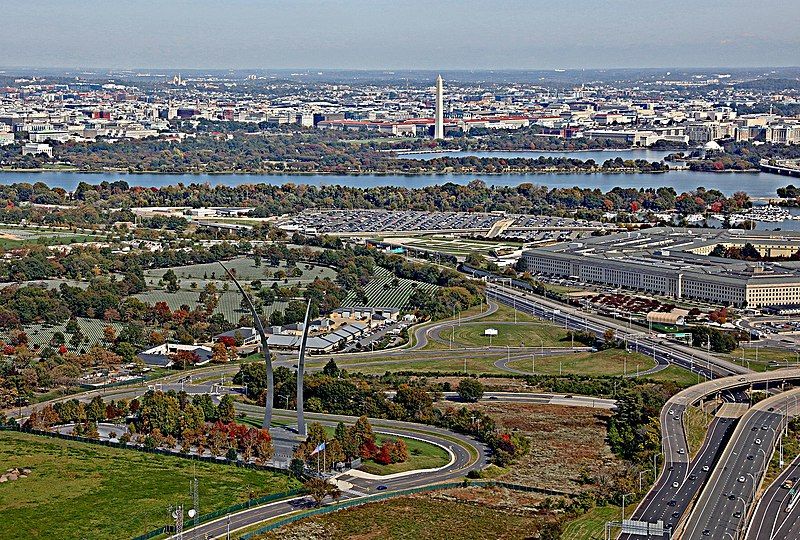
(319, 448)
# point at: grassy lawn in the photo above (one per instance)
(419, 517)
(447, 362)
(767, 357)
(79, 490)
(608, 362)
(505, 313)
(590, 525)
(681, 376)
(422, 456)
(522, 333)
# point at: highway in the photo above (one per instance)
(667, 502)
(725, 502)
(660, 349)
(771, 520)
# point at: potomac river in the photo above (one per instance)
(757, 184)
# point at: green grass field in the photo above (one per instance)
(590, 525)
(422, 455)
(381, 293)
(763, 358)
(680, 376)
(79, 490)
(696, 421)
(529, 334)
(608, 362)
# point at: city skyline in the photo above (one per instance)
(354, 35)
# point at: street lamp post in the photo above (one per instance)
(623, 504)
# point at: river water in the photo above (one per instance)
(756, 184)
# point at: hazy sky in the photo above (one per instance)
(415, 34)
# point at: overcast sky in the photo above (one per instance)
(399, 34)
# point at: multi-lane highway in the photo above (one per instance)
(725, 502)
(662, 350)
(681, 480)
(775, 517)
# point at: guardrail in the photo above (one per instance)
(210, 516)
(384, 496)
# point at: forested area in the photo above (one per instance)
(270, 200)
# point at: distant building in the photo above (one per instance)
(246, 334)
(161, 355)
(36, 149)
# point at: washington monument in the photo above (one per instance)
(438, 129)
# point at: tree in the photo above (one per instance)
(297, 467)
(319, 489)
(171, 281)
(226, 411)
(331, 369)
(109, 334)
(219, 353)
(263, 448)
(470, 390)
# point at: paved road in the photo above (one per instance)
(723, 505)
(657, 504)
(677, 487)
(660, 349)
(463, 462)
(771, 520)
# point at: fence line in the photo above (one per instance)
(384, 496)
(138, 448)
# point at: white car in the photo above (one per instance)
(671, 411)
(675, 484)
(681, 451)
(758, 441)
(741, 479)
(706, 468)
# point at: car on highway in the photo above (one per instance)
(737, 514)
(706, 468)
(750, 457)
(382, 487)
(692, 477)
(789, 484)
(706, 532)
(741, 479)
(758, 441)
(673, 502)
(675, 484)
(681, 451)
(671, 411)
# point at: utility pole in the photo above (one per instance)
(196, 501)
